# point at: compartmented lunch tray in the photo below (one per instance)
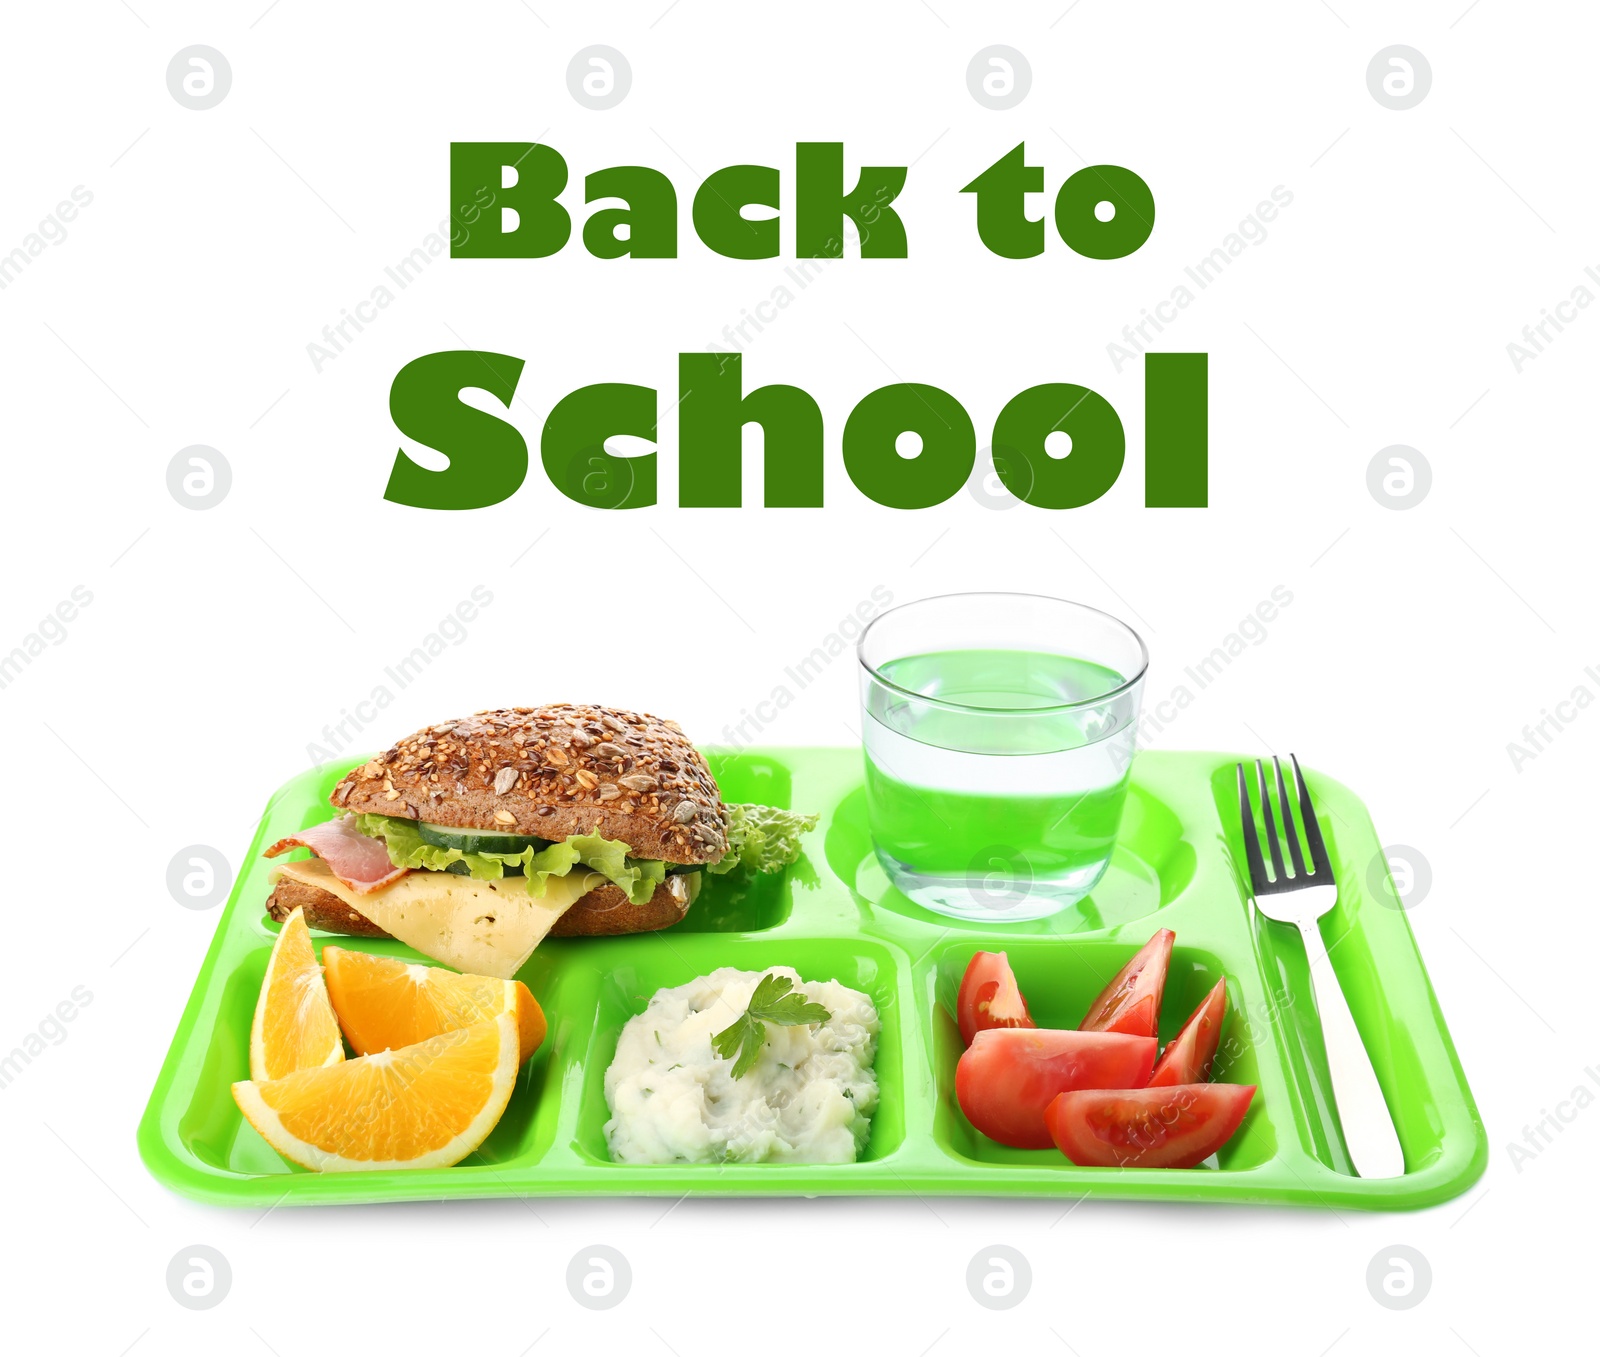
(1178, 864)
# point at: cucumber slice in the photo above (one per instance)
(475, 840)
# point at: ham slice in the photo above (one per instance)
(360, 862)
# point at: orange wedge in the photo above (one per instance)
(385, 1003)
(294, 1027)
(423, 1106)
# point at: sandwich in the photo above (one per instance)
(473, 840)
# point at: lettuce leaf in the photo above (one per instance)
(636, 877)
(762, 839)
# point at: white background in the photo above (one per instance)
(178, 310)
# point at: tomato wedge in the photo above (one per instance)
(1188, 1057)
(1147, 1128)
(1008, 1076)
(1131, 1003)
(989, 997)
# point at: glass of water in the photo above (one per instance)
(998, 730)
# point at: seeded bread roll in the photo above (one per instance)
(603, 912)
(552, 772)
(324, 910)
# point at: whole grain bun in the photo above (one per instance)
(325, 911)
(552, 772)
(603, 912)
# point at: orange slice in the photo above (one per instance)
(384, 1002)
(423, 1106)
(294, 1027)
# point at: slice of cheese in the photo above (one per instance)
(479, 927)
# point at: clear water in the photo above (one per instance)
(1006, 813)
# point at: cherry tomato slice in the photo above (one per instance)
(1131, 1003)
(989, 997)
(1189, 1055)
(1174, 1127)
(1008, 1076)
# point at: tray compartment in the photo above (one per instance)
(216, 1135)
(734, 903)
(878, 971)
(737, 904)
(1373, 953)
(210, 1125)
(1061, 981)
(1151, 866)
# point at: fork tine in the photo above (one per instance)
(1278, 874)
(1286, 810)
(1252, 844)
(1314, 846)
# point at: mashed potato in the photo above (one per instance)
(809, 1099)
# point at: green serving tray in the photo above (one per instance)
(834, 915)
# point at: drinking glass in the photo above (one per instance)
(998, 730)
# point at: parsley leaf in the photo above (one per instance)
(772, 1002)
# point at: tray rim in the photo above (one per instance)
(1450, 1174)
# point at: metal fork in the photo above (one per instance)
(1301, 896)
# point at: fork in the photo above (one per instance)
(1301, 896)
